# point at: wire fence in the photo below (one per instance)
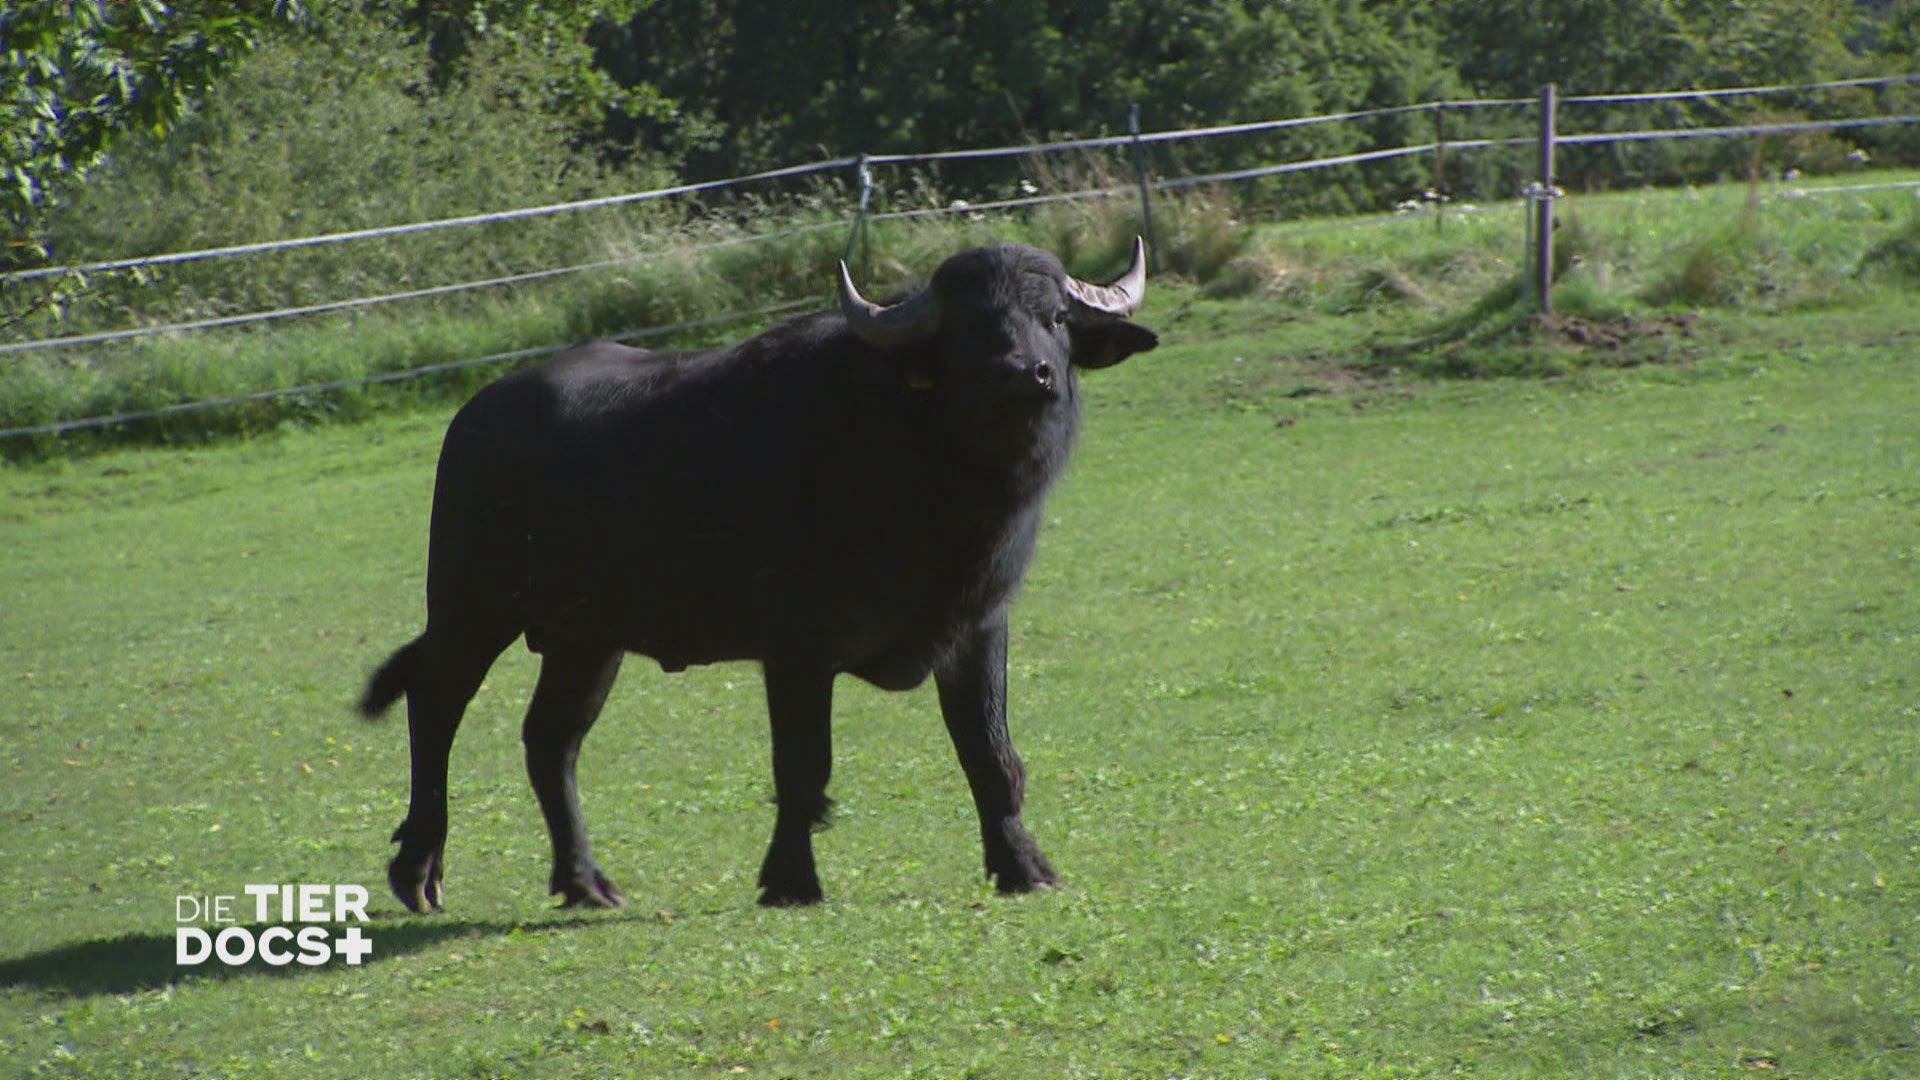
(508, 357)
(862, 166)
(412, 294)
(149, 261)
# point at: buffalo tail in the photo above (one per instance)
(390, 682)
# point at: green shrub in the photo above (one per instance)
(1583, 295)
(1895, 259)
(1708, 271)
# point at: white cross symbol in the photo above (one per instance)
(350, 946)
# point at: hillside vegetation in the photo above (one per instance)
(708, 88)
(264, 119)
(379, 113)
(1645, 277)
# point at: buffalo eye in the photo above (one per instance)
(1060, 318)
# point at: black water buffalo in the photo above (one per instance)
(852, 492)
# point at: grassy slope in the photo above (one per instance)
(1507, 728)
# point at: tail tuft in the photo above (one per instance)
(390, 682)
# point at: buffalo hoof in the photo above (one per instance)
(803, 896)
(1011, 886)
(416, 882)
(788, 877)
(793, 884)
(591, 890)
(1022, 871)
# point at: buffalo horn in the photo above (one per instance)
(884, 325)
(1120, 299)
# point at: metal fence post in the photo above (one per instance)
(859, 233)
(1543, 207)
(1439, 188)
(1140, 176)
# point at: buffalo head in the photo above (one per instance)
(1004, 328)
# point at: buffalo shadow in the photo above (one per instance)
(146, 961)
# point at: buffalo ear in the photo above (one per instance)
(1104, 344)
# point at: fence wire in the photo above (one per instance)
(408, 374)
(1783, 128)
(144, 261)
(1739, 91)
(413, 294)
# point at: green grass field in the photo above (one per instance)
(1379, 728)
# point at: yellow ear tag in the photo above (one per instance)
(919, 380)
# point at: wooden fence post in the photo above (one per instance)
(1543, 207)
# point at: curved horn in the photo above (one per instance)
(1120, 299)
(881, 325)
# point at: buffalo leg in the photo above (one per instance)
(448, 669)
(572, 689)
(800, 710)
(973, 700)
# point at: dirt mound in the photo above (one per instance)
(1610, 333)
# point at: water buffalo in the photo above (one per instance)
(854, 491)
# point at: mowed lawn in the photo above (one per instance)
(1507, 728)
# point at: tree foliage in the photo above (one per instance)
(707, 88)
(337, 128)
(455, 33)
(747, 84)
(759, 82)
(79, 75)
(1612, 46)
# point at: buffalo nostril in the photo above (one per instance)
(1043, 374)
